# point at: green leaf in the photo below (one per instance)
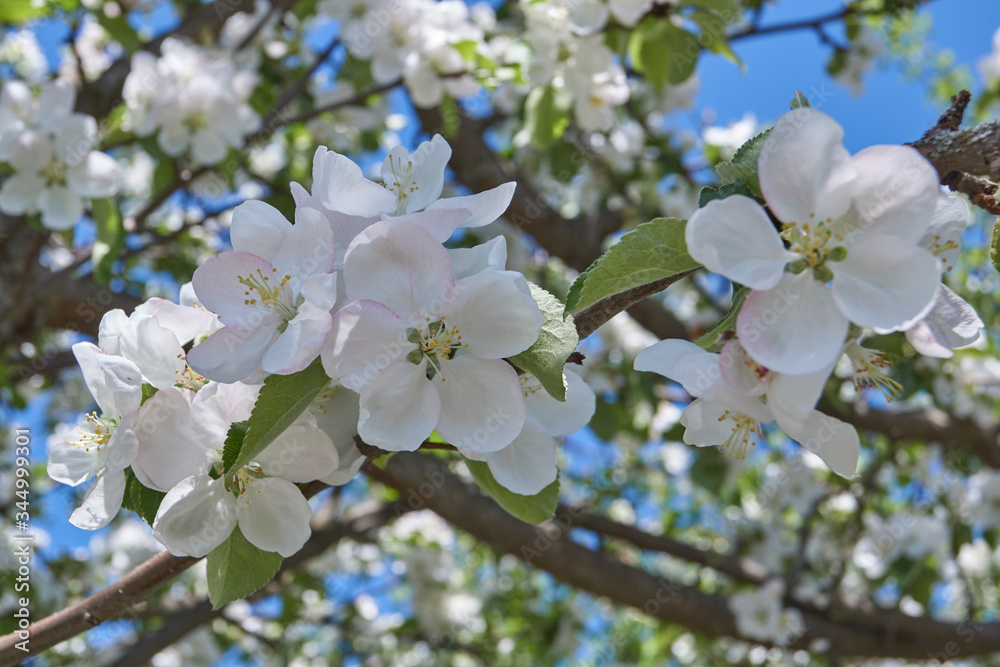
(530, 509)
(141, 499)
(14, 12)
(799, 101)
(713, 34)
(237, 568)
(234, 443)
(994, 257)
(556, 341)
(663, 52)
(148, 392)
(654, 250)
(110, 238)
(743, 166)
(546, 116)
(724, 7)
(707, 339)
(118, 27)
(281, 400)
(708, 194)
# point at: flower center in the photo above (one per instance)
(870, 368)
(529, 385)
(245, 480)
(188, 378)
(939, 247)
(816, 244)
(100, 432)
(54, 173)
(261, 293)
(436, 342)
(402, 184)
(196, 120)
(746, 430)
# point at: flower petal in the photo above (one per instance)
(170, 451)
(895, 192)
(795, 327)
(528, 464)
(185, 322)
(401, 266)
(792, 398)
(495, 314)
(483, 207)
(114, 382)
(482, 407)
(229, 354)
(336, 412)
(216, 406)
(951, 324)
(440, 223)
(491, 255)
(884, 281)
(97, 176)
(302, 453)
(365, 338)
(835, 442)
(274, 516)
(560, 417)
(805, 171)
(300, 342)
(426, 170)
(307, 249)
(734, 238)
(259, 229)
(20, 192)
(683, 362)
(60, 207)
(195, 516)
(157, 349)
(102, 502)
(399, 408)
(73, 464)
(340, 186)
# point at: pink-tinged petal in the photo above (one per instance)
(440, 223)
(97, 176)
(185, 322)
(307, 249)
(482, 407)
(951, 324)
(399, 408)
(258, 229)
(528, 464)
(495, 314)
(20, 192)
(835, 442)
(218, 287)
(365, 338)
(795, 327)
(300, 343)
(489, 256)
(401, 266)
(302, 453)
(805, 171)
(60, 207)
(895, 192)
(195, 516)
(231, 355)
(102, 502)
(216, 406)
(560, 417)
(169, 449)
(884, 281)
(157, 349)
(792, 398)
(683, 362)
(741, 373)
(734, 238)
(340, 186)
(274, 516)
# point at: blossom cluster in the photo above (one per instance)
(51, 151)
(847, 244)
(412, 336)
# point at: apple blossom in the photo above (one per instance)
(273, 293)
(853, 227)
(425, 350)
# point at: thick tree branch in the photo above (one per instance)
(974, 150)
